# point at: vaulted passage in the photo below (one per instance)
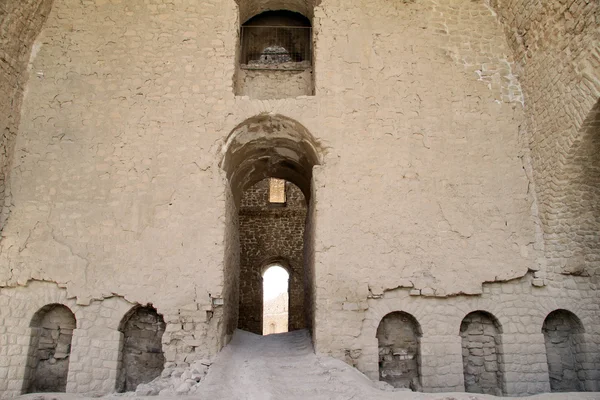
(269, 161)
(142, 357)
(482, 353)
(399, 359)
(563, 337)
(50, 348)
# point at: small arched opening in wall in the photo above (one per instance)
(141, 358)
(481, 340)
(563, 336)
(49, 349)
(398, 337)
(276, 295)
(275, 49)
(258, 232)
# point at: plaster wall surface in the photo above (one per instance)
(20, 23)
(425, 189)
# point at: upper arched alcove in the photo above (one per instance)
(275, 49)
(252, 8)
(274, 38)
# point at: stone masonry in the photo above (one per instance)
(444, 154)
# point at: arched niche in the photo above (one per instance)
(563, 337)
(141, 357)
(398, 338)
(50, 349)
(481, 340)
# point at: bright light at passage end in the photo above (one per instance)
(275, 282)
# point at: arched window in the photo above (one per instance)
(564, 340)
(50, 349)
(142, 357)
(399, 350)
(275, 300)
(482, 353)
(276, 40)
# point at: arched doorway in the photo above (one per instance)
(275, 300)
(263, 154)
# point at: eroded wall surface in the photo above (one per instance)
(20, 23)
(425, 188)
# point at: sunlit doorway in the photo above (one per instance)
(275, 300)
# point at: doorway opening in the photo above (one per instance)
(268, 161)
(275, 300)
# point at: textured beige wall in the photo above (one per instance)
(556, 46)
(424, 190)
(20, 23)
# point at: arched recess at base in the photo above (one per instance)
(483, 366)
(398, 337)
(141, 358)
(563, 336)
(49, 349)
(266, 146)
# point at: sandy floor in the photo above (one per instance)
(284, 366)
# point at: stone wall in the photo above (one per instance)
(398, 342)
(94, 350)
(482, 354)
(563, 338)
(555, 45)
(142, 358)
(270, 234)
(424, 199)
(49, 350)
